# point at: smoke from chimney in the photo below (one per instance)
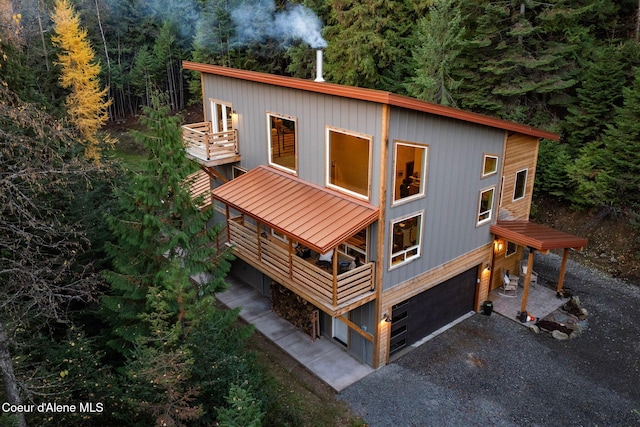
(256, 21)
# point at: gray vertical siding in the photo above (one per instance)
(313, 112)
(450, 207)
(454, 160)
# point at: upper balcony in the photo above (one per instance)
(210, 148)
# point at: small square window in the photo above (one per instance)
(489, 165)
(238, 171)
(520, 186)
(485, 205)
(512, 248)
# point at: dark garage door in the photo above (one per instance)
(424, 313)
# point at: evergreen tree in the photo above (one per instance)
(368, 42)
(86, 103)
(243, 410)
(599, 92)
(437, 40)
(519, 62)
(159, 224)
(621, 154)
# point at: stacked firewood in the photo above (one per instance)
(296, 310)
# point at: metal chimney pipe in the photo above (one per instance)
(319, 66)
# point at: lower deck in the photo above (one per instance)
(327, 360)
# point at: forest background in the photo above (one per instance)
(568, 66)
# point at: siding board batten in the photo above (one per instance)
(382, 337)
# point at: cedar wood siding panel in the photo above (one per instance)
(454, 181)
(521, 152)
(313, 112)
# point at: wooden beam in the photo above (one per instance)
(213, 173)
(527, 280)
(360, 331)
(563, 267)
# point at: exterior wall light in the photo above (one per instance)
(386, 317)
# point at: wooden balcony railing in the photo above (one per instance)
(303, 277)
(212, 148)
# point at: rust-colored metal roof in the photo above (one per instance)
(200, 185)
(317, 217)
(536, 236)
(371, 95)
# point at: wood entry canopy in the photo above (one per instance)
(536, 236)
(314, 216)
(541, 238)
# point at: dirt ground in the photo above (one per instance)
(614, 244)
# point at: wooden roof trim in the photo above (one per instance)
(371, 95)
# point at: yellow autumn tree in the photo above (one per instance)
(87, 104)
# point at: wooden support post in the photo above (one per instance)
(290, 258)
(259, 241)
(563, 267)
(335, 277)
(527, 280)
(228, 227)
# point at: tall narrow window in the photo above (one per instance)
(520, 186)
(410, 172)
(485, 205)
(406, 236)
(489, 165)
(348, 162)
(283, 142)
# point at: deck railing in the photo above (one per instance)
(200, 142)
(305, 278)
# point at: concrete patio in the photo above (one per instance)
(325, 359)
(542, 301)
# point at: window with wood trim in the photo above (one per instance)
(489, 165)
(238, 171)
(348, 162)
(512, 248)
(221, 116)
(405, 239)
(410, 171)
(283, 142)
(520, 186)
(485, 205)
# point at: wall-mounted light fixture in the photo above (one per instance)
(487, 267)
(386, 318)
(498, 245)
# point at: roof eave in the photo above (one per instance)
(371, 95)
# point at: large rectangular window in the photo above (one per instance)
(283, 142)
(485, 205)
(410, 171)
(348, 162)
(406, 236)
(520, 185)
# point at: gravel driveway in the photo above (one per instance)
(492, 371)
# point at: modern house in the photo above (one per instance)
(387, 216)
